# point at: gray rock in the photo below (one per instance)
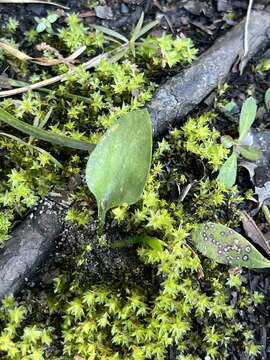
(104, 12)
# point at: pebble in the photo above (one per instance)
(104, 12)
(124, 9)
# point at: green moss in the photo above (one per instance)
(186, 304)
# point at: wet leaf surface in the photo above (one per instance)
(226, 246)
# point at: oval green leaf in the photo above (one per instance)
(247, 116)
(40, 27)
(228, 171)
(249, 152)
(226, 246)
(118, 167)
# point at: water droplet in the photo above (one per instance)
(248, 249)
(245, 258)
(222, 233)
(212, 226)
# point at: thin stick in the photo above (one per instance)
(33, 2)
(246, 28)
(87, 65)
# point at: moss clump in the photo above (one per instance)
(187, 305)
(81, 108)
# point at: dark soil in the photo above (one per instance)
(203, 21)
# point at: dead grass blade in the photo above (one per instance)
(33, 2)
(87, 65)
(253, 232)
(14, 52)
(42, 61)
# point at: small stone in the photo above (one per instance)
(104, 12)
(124, 9)
(223, 5)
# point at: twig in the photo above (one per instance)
(87, 65)
(33, 2)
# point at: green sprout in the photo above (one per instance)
(45, 24)
(228, 171)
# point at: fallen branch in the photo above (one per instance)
(31, 241)
(183, 92)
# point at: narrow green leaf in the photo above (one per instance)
(153, 242)
(117, 169)
(228, 171)
(137, 29)
(267, 99)
(247, 117)
(147, 28)
(249, 152)
(110, 32)
(266, 213)
(226, 246)
(43, 134)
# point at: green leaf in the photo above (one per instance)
(228, 171)
(226, 246)
(137, 29)
(266, 213)
(43, 134)
(247, 116)
(267, 99)
(229, 106)
(52, 17)
(118, 167)
(153, 242)
(147, 28)
(40, 27)
(110, 32)
(227, 141)
(249, 152)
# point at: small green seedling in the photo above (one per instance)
(45, 24)
(127, 45)
(226, 246)
(228, 171)
(118, 167)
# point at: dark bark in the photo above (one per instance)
(31, 241)
(183, 92)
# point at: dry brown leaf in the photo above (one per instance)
(253, 232)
